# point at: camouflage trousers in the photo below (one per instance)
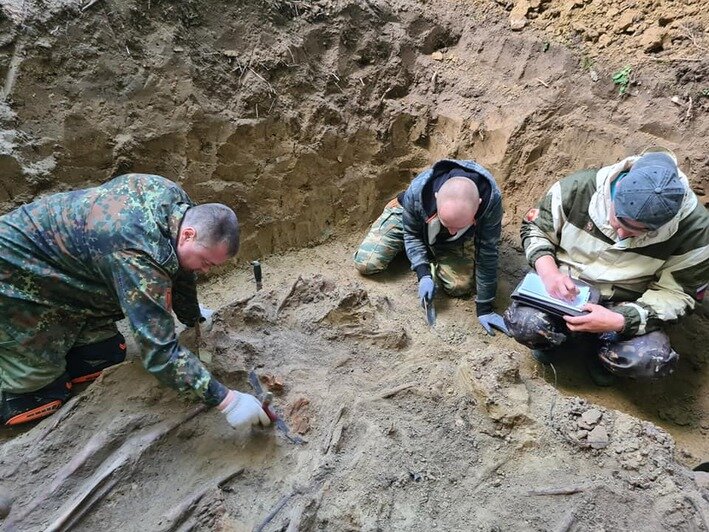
(454, 264)
(646, 356)
(35, 340)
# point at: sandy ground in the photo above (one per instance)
(406, 427)
(306, 117)
(679, 404)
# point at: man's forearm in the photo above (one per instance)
(546, 266)
(180, 369)
(417, 253)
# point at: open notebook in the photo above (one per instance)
(531, 292)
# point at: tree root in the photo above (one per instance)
(333, 435)
(393, 391)
(567, 523)
(557, 491)
(274, 511)
(105, 478)
(180, 513)
(288, 295)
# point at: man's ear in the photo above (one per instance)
(187, 233)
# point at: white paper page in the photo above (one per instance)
(533, 285)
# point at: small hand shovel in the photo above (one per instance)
(430, 312)
(266, 398)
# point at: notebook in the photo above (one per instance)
(531, 292)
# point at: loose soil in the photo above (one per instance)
(306, 117)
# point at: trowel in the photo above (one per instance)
(430, 312)
(266, 398)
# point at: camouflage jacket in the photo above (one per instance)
(102, 253)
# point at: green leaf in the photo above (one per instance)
(622, 78)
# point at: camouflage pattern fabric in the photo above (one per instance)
(649, 356)
(424, 243)
(74, 263)
(454, 262)
(654, 278)
(454, 265)
(95, 331)
(30, 366)
(384, 241)
(535, 328)
(641, 357)
(23, 369)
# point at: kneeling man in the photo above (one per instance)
(449, 223)
(74, 263)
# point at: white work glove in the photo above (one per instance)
(243, 410)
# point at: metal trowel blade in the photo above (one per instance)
(430, 312)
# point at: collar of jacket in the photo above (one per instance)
(433, 229)
(599, 207)
(175, 221)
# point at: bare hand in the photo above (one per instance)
(598, 320)
(560, 286)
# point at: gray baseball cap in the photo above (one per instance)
(651, 193)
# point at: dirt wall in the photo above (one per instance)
(305, 117)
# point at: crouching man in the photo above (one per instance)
(637, 233)
(74, 263)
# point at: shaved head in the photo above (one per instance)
(214, 224)
(457, 202)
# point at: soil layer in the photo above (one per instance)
(306, 117)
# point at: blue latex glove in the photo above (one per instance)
(427, 289)
(493, 321)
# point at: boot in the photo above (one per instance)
(85, 363)
(17, 408)
(548, 355)
(544, 356)
(599, 374)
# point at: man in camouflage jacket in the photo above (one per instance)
(72, 264)
(637, 233)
